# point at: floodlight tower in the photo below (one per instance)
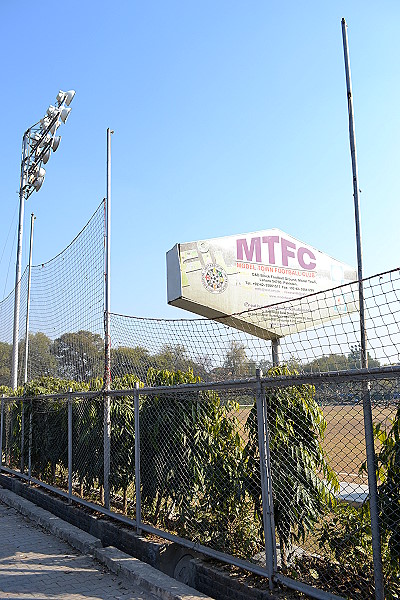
(37, 144)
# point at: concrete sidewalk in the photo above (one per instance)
(36, 564)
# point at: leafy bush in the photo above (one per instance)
(346, 537)
(303, 483)
(199, 477)
(192, 465)
(49, 422)
(388, 473)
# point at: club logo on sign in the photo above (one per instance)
(214, 279)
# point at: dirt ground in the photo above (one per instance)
(344, 437)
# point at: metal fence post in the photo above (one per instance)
(373, 490)
(137, 461)
(266, 483)
(1, 431)
(22, 435)
(30, 445)
(107, 445)
(70, 446)
(269, 482)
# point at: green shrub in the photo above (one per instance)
(303, 483)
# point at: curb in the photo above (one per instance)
(148, 577)
(154, 581)
(78, 539)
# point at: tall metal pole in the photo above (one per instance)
(107, 374)
(28, 301)
(368, 426)
(17, 293)
(107, 361)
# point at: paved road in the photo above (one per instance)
(35, 564)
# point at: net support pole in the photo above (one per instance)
(28, 302)
(366, 395)
(137, 462)
(266, 482)
(107, 337)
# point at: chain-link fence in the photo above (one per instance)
(267, 473)
(280, 474)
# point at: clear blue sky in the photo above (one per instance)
(229, 117)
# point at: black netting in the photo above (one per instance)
(217, 351)
(66, 324)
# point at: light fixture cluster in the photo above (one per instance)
(40, 140)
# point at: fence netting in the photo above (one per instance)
(217, 352)
(66, 320)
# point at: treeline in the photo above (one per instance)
(79, 356)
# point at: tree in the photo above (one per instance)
(191, 457)
(340, 362)
(122, 455)
(236, 363)
(49, 421)
(5, 363)
(125, 360)
(327, 363)
(41, 362)
(80, 355)
(172, 357)
(388, 473)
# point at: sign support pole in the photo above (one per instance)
(276, 352)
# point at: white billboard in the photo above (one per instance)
(248, 278)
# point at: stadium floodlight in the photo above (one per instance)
(56, 142)
(65, 97)
(37, 144)
(51, 111)
(46, 155)
(65, 114)
(37, 183)
(54, 126)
